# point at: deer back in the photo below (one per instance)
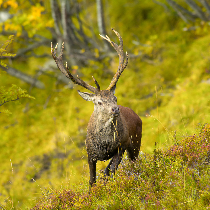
(132, 120)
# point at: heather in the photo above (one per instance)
(176, 178)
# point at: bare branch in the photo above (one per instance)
(181, 11)
(197, 9)
(54, 11)
(63, 18)
(24, 77)
(101, 21)
(30, 48)
(4, 102)
(162, 5)
(206, 5)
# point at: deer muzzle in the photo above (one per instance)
(115, 111)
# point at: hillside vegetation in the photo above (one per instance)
(177, 178)
(167, 83)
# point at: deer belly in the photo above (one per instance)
(103, 150)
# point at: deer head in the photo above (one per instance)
(104, 100)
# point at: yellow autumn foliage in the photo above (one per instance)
(9, 3)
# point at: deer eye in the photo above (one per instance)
(99, 103)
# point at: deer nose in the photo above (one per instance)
(115, 110)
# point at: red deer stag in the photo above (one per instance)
(112, 128)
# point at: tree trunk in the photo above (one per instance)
(101, 22)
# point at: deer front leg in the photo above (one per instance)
(107, 169)
(92, 168)
(114, 162)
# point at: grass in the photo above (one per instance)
(176, 178)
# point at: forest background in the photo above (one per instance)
(43, 119)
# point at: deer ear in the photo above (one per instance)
(86, 96)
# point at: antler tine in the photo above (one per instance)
(97, 85)
(122, 64)
(66, 72)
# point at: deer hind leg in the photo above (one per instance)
(133, 153)
(107, 169)
(134, 148)
(114, 162)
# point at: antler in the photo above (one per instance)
(122, 64)
(66, 72)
